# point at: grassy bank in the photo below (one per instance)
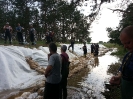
(121, 51)
(38, 43)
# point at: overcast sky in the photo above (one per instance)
(107, 19)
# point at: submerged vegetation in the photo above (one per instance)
(121, 51)
(113, 92)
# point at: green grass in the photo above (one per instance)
(121, 51)
(38, 43)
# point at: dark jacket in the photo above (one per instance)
(65, 65)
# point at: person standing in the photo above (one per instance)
(8, 30)
(53, 74)
(19, 33)
(64, 72)
(124, 77)
(51, 36)
(32, 34)
(85, 49)
(92, 48)
(96, 49)
(47, 37)
(72, 44)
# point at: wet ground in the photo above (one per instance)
(90, 82)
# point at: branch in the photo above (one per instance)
(120, 10)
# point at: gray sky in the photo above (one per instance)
(106, 19)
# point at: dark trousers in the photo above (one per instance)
(51, 91)
(20, 37)
(48, 39)
(8, 34)
(51, 39)
(72, 45)
(63, 88)
(92, 50)
(32, 39)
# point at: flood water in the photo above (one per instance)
(91, 80)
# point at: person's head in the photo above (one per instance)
(52, 48)
(126, 38)
(31, 26)
(84, 43)
(63, 48)
(18, 24)
(7, 23)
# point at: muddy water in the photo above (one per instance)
(91, 80)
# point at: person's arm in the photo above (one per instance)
(17, 29)
(50, 66)
(49, 56)
(11, 29)
(119, 74)
(4, 27)
(116, 80)
(48, 70)
(34, 30)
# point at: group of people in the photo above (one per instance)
(72, 45)
(58, 65)
(8, 33)
(56, 82)
(56, 73)
(95, 49)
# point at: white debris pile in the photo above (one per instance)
(78, 64)
(35, 93)
(15, 71)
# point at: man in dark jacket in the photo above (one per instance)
(64, 72)
(92, 48)
(19, 33)
(124, 78)
(72, 45)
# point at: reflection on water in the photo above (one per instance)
(91, 82)
(96, 60)
(78, 78)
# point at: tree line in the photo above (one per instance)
(127, 19)
(59, 16)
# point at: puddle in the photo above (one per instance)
(91, 81)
